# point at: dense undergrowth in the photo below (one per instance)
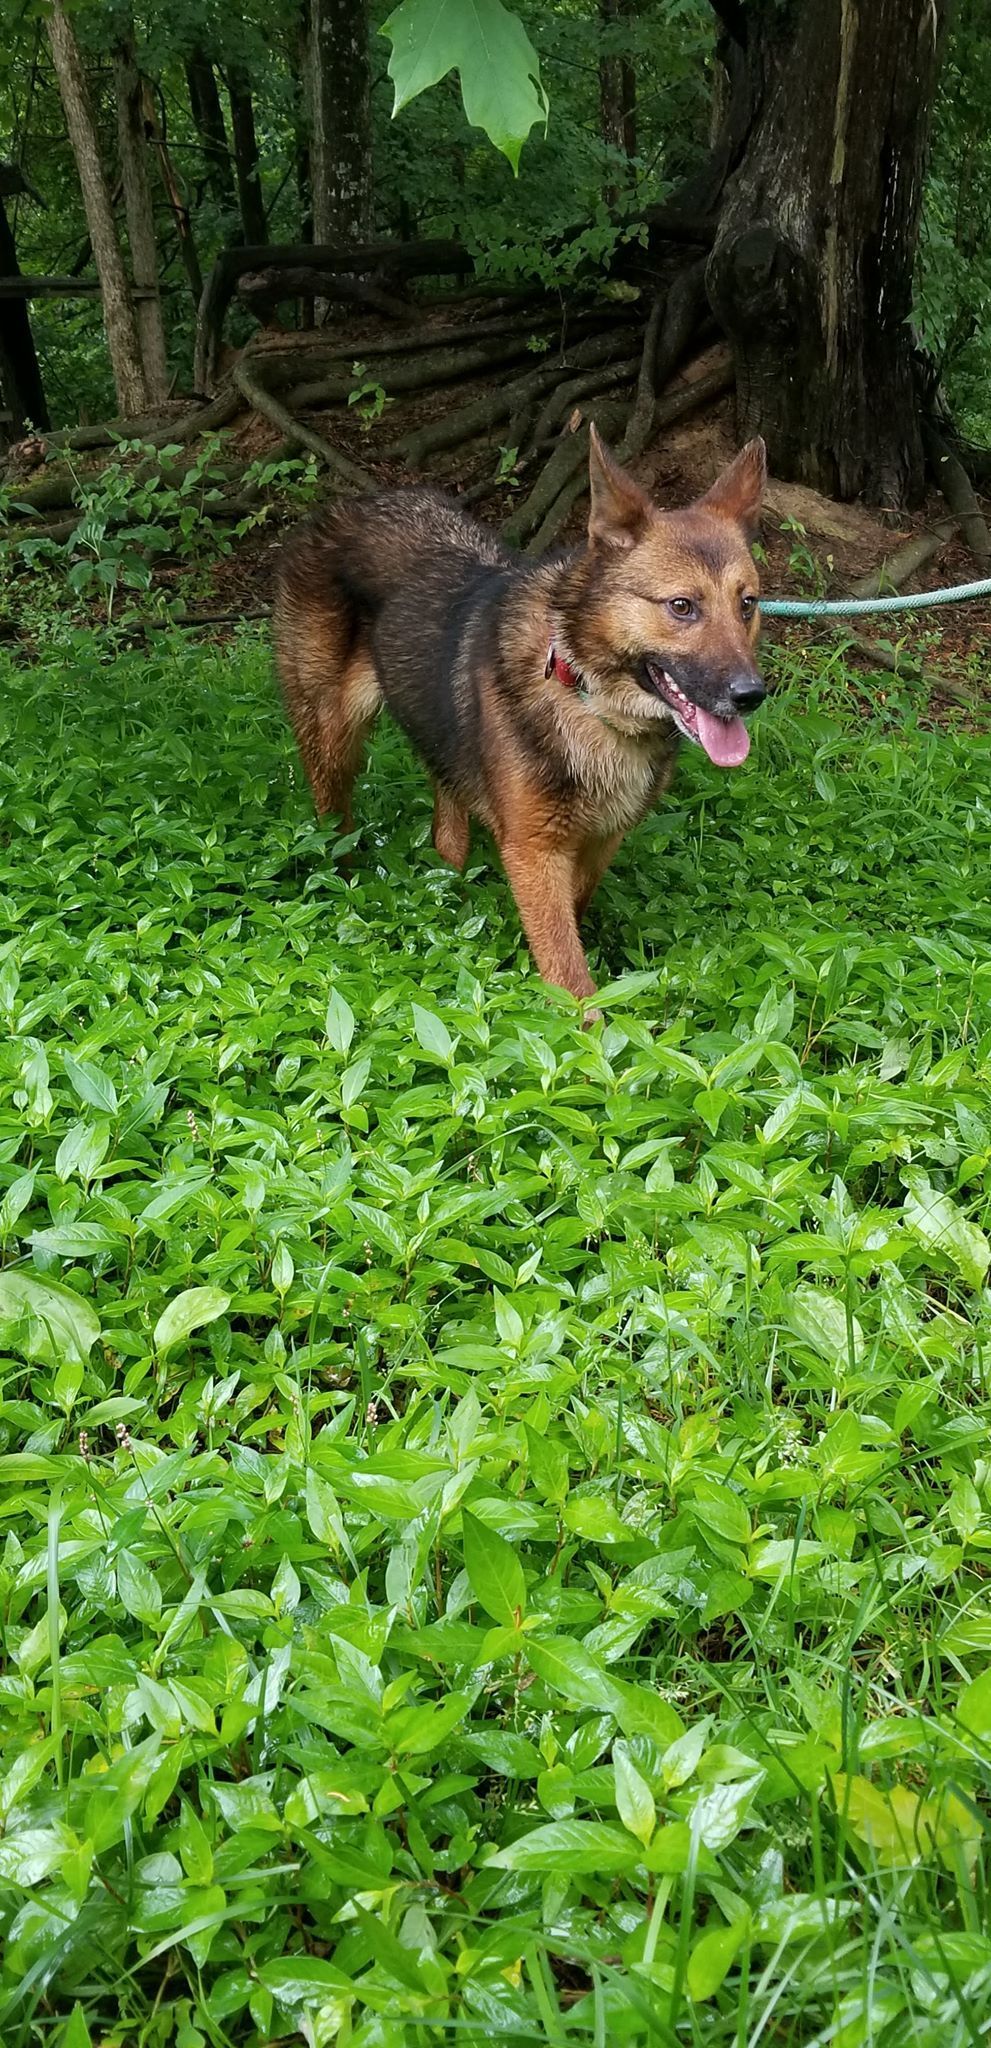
(496, 1518)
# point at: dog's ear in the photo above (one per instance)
(619, 510)
(738, 493)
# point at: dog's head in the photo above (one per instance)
(661, 616)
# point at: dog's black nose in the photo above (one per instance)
(746, 692)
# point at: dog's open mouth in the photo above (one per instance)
(726, 740)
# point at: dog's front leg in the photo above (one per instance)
(543, 881)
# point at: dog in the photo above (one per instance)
(547, 699)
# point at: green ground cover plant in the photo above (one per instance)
(495, 1518)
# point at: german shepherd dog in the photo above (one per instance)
(548, 699)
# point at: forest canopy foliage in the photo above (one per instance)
(630, 92)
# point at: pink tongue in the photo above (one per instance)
(726, 740)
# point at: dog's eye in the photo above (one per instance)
(748, 606)
(682, 607)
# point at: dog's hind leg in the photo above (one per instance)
(452, 828)
(332, 695)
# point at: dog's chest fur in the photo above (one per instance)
(615, 777)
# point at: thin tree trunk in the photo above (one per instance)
(246, 156)
(21, 388)
(118, 309)
(208, 120)
(339, 84)
(811, 272)
(617, 90)
(176, 198)
(140, 217)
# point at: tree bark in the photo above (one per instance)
(338, 86)
(21, 388)
(132, 142)
(176, 199)
(617, 89)
(249, 186)
(811, 273)
(118, 310)
(208, 120)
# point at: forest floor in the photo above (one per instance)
(811, 545)
(496, 1515)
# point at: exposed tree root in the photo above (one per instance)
(895, 570)
(952, 479)
(419, 373)
(559, 405)
(553, 496)
(670, 330)
(608, 417)
(507, 400)
(896, 663)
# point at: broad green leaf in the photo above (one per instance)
(138, 1587)
(936, 1222)
(187, 1312)
(91, 1084)
(488, 46)
(432, 1033)
(570, 1670)
(720, 1811)
(339, 1024)
(495, 1573)
(713, 1954)
(974, 1706)
(49, 1322)
(323, 1514)
(634, 1799)
(571, 1848)
(75, 2033)
(819, 1319)
(891, 1823)
(302, 1980)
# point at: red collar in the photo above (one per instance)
(561, 669)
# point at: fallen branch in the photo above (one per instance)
(150, 429)
(220, 509)
(393, 259)
(49, 493)
(344, 472)
(260, 291)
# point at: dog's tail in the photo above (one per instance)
(324, 606)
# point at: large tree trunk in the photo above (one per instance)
(21, 390)
(339, 83)
(140, 217)
(811, 272)
(249, 186)
(208, 119)
(118, 310)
